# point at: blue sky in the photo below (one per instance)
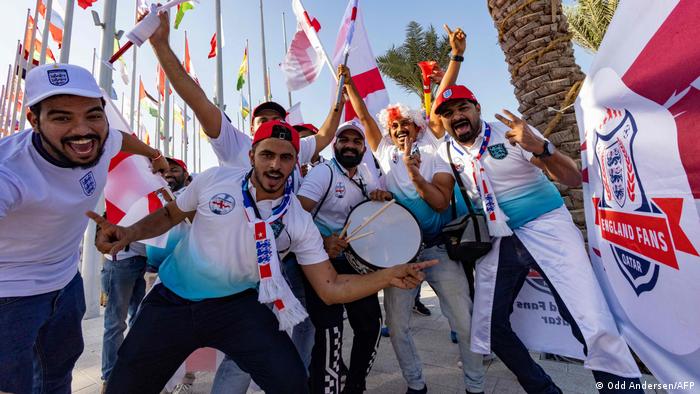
(484, 69)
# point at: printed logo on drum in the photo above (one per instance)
(536, 280)
(222, 203)
(340, 189)
(643, 233)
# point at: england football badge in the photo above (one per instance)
(58, 77)
(88, 184)
(340, 189)
(458, 164)
(498, 151)
(222, 203)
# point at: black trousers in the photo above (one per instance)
(168, 328)
(514, 263)
(365, 317)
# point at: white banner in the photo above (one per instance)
(638, 114)
(538, 323)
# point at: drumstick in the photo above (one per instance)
(345, 229)
(356, 237)
(369, 219)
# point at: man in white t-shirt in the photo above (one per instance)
(49, 176)
(422, 183)
(330, 192)
(219, 277)
(501, 165)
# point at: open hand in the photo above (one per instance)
(520, 133)
(409, 276)
(110, 238)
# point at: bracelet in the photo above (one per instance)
(157, 157)
(458, 58)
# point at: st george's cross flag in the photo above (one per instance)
(304, 59)
(638, 112)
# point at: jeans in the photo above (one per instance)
(123, 282)
(41, 338)
(514, 263)
(169, 328)
(229, 378)
(365, 318)
(449, 282)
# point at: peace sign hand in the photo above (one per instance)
(110, 238)
(521, 134)
(458, 40)
(412, 162)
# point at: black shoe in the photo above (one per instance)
(421, 309)
(424, 390)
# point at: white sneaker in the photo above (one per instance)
(182, 388)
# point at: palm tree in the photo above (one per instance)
(401, 63)
(589, 20)
(535, 39)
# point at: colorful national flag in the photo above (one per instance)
(242, 70)
(181, 9)
(143, 94)
(121, 64)
(161, 82)
(212, 50)
(56, 25)
(245, 107)
(84, 4)
(34, 49)
(304, 59)
(187, 63)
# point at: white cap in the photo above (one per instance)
(351, 125)
(54, 79)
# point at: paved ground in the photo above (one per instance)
(431, 334)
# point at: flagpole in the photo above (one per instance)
(250, 98)
(5, 93)
(166, 110)
(30, 65)
(284, 34)
(158, 134)
(184, 133)
(219, 59)
(194, 142)
(138, 115)
(133, 74)
(123, 106)
(10, 86)
(15, 85)
(199, 142)
(45, 33)
(67, 31)
(264, 57)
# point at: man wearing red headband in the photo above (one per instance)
(502, 166)
(217, 281)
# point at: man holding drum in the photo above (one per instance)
(532, 229)
(330, 192)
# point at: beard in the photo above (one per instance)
(348, 162)
(64, 159)
(260, 180)
(474, 127)
(176, 183)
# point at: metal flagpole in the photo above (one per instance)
(92, 259)
(186, 139)
(14, 84)
(166, 114)
(284, 33)
(138, 116)
(219, 59)
(158, 134)
(264, 58)
(45, 33)
(67, 31)
(2, 131)
(94, 57)
(199, 142)
(30, 64)
(123, 106)
(194, 142)
(133, 77)
(250, 98)
(5, 94)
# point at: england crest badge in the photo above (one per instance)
(58, 77)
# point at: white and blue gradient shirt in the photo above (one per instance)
(232, 146)
(522, 190)
(399, 183)
(217, 257)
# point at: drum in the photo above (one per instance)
(393, 237)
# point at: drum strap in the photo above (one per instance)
(463, 191)
(325, 195)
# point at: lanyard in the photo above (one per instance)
(482, 148)
(249, 201)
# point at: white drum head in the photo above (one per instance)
(396, 240)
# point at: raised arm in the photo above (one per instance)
(112, 238)
(326, 132)
(207, 113)
(131, 144)
(372, 132)
(458, 43)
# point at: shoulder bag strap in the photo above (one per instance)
(325, 195)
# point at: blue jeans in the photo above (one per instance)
(41, 338)
(123, 282)
(450, 284)
(513, 265)
(230, 379)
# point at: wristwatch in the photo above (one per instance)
(458, 58)
(547, 151)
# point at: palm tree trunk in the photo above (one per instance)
(535, 39)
